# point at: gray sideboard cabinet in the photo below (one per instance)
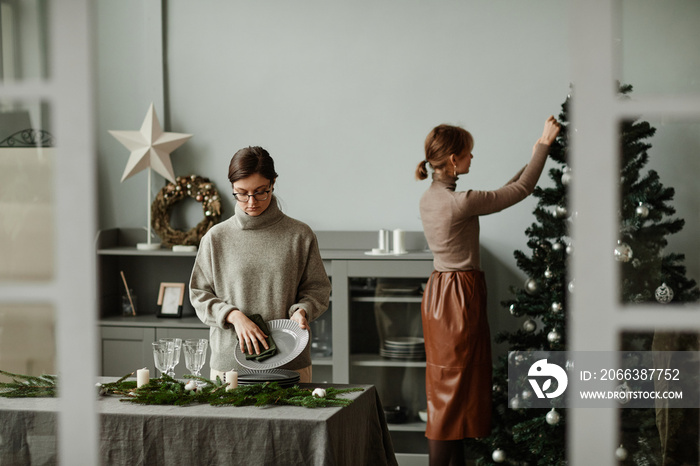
(375, 303)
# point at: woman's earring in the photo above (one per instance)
(454, 167)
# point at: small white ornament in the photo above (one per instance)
(621, 453)
(498, 455)
(513, 309)
(566, 176)
(571, 286)
(642, 210)
(664, 294)
(529, 325)
(526, 394)
(515, 402)
(191, 385)
(561, 212)
(557, 246)
(570, 248)
(553, 336)
(531, 286)
(623, 252)
(556, 307)
(548, 273)
(319, 393)
(552, 417)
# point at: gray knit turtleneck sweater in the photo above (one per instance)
(268, 265)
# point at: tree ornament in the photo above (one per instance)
(191, 385)
(571, 286)
(318, 393)
(513, 309)
(642, 211)
(515, 402)
(531, 286)
(529, 325)
(622, 393)
(664, 294)
(526, 394)
(557, 246)
(621, 453)
(548, 273)
(553, 336)
(623, 252)
(552, 417)
(566, 176)
(556, 307)
(498, 455)
(570, 248)
(561, 212)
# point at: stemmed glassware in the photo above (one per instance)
(177, 344)
(195, 354)
(163, 355)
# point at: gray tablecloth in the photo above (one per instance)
(133, 434)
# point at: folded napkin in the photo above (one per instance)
(272, 346)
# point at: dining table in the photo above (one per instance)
(201, 434)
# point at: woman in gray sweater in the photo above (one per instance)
(260, 261)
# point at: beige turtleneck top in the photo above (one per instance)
(451, 218)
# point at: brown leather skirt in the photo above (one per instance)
(458, 352)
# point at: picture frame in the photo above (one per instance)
(170, 298)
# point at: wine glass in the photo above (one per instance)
(195, 355)
(177, 344)
(163, 355)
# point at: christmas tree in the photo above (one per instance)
(648, 273)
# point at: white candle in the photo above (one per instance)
(399, 247)
(232, 379)
(142, 377)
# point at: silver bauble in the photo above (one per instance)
(548, 273)
(529, 325)
(557, 246)
(553, 336)
(566, 177)
(526, 394)
(556, 307)
(531, 286)
(570, 248)
(561, 212)
(623, 252)
(642, 211)
(513, 309)
(571, 286)
(515, 402)
(621, 453)
(498, 455)
(552, 417)
(664, 294)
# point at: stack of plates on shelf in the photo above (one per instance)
(403, 348)
(285, 378)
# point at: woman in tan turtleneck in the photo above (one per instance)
(457, 338)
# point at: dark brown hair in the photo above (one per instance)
(250, 161)
(441, 142)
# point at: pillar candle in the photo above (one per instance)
(232, 379)
(399, 246)
(142, 377)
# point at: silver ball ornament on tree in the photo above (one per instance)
(642, 211)
(571, 286)
(513, 309)
(561, 212)
(664, 294)
(570, 248)
(621, 453)
(556, 307)
(531, 286)
(623, 252)
(548, 273)
(566, 176)
(557, 246)
(529, 325)
(552, 417)
(554, 336)
(498, 455)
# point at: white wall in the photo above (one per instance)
(343, 93)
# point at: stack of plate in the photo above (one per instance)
(403, 348)
(285, 378)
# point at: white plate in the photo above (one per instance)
(282, 376)
(290, 339)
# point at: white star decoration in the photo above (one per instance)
(150, 147)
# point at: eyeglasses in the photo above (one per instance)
(241, 197)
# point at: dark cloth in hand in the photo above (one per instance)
(272, 347)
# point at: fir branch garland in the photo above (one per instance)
(27, 386)
(168, 391)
